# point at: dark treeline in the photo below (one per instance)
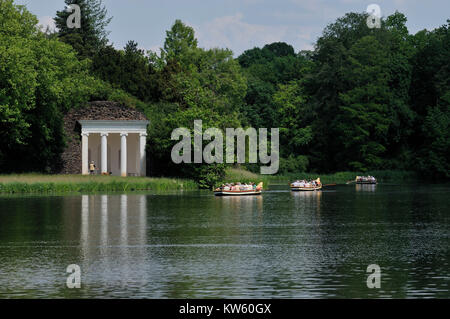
(363, 99)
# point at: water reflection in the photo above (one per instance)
(113, 220)
(194, 245)
(113, 237)
(307, 196)
(307, 200)
(366, 187)
(104, 223)
(238, 203)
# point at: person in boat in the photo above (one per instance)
(298, 183)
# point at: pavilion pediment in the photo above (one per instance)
(113, 126)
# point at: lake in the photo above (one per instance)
(196, 245)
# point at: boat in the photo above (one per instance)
(365, 180)
(239, 190)
(306, 186)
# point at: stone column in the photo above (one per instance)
(104, 153)
(123, 154)
(85, 153)
(142, 154)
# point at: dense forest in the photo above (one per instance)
(363, 99)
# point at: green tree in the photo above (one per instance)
(17, 73)
(430, 99)
(40, 79)
(326, 83)
(363, 120)
(91, 37)
(295, 126)
(401, 51)
(195, 84)
(128, 69)
(337, 91)
(180, 39)
(265, 69)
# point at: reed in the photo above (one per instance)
(41, 184)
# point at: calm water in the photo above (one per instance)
(194, 245)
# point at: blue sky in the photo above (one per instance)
(242, 24)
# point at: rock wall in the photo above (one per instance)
(99, 110)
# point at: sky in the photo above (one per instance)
(241, 24)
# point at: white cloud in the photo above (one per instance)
(47, 21)
(235, 33)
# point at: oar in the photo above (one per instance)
(329, 185)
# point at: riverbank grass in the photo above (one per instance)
(45, 184)
(39, 184)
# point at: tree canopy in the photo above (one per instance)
(92, 36)
(40, 78)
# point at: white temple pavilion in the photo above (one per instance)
(116, 147)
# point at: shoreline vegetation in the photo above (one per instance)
(241, 175)
(49, 184)
(64, 184)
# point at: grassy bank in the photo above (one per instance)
(44, 184)
(234, 175)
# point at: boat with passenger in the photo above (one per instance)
(365, 180)
(305, 186)
(238, 189)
